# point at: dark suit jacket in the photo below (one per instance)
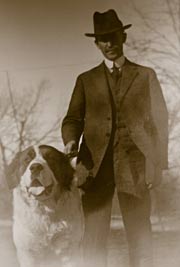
(142, 106)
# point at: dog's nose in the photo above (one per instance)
(36, 167)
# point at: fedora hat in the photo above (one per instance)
(106, 23)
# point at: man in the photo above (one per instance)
(119, 110)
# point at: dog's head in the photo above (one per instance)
(39, 170)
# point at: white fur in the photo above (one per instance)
(44, 230)
(48, 232)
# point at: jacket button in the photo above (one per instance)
(108, 118)
(108, 134)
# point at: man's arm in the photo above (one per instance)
(73, 123)
(160, 117)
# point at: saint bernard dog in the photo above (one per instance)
(47, 217)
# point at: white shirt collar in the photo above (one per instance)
(119, 62)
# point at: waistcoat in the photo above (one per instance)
(128, 161)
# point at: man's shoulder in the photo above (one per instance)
(91, 71)
(141, 68)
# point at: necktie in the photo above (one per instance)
(115, 73)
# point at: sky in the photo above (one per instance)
(46, 33)
(37, 34)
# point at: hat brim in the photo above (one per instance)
(104, 33)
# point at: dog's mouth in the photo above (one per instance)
(37, 189)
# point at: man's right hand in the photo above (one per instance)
(71, 149)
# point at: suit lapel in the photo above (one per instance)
(99, 79)
(129, 73)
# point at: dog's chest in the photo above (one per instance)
(37, 228)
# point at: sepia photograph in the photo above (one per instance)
(89, 133)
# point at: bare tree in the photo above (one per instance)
(159, 44)
(21, 124)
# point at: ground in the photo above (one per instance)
(166, 244)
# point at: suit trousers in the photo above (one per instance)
(136, 219)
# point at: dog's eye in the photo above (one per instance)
(29, 156)
(28, 159)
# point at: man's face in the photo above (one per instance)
(111, 45)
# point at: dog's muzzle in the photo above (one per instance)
(42, 180)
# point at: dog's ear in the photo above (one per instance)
(13, 172)
(67, 173)
(18, 166)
